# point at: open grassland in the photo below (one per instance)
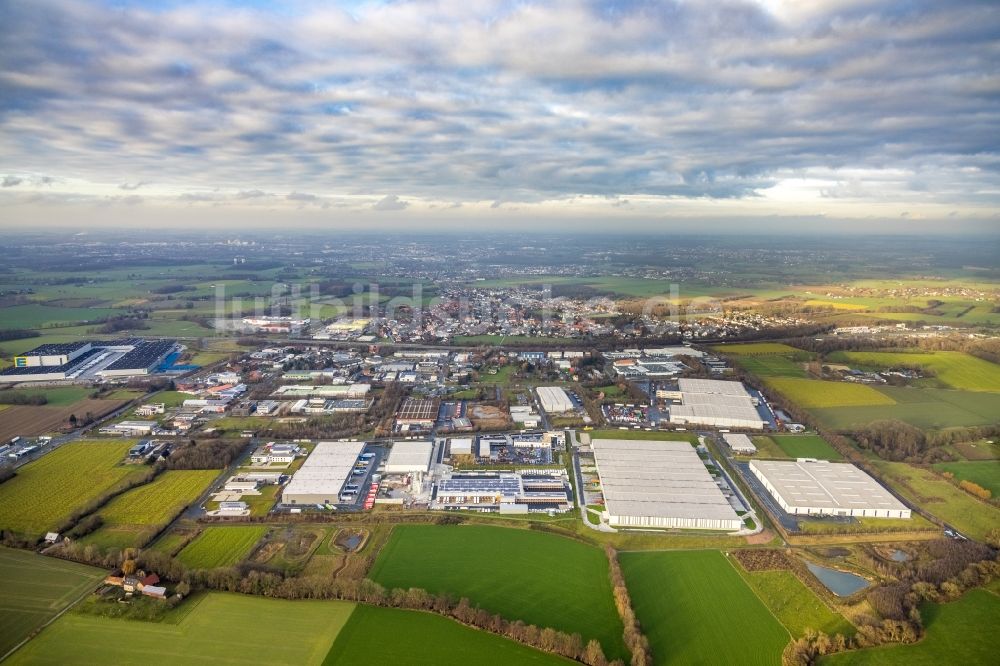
(956, 369)
(756, 349)
(220, 629)
(56, 397)
(151, 505)
(34, 588)
(39, 316)
(540, 578)
(31, 420)
(392, 636)
(921, 407)
(961, 632)
(984, 472)
(795, 605)
(811, 393)
(220, 546)
(980, 450)
(696, 609)
(45, 492)
(768, 449)
(645, 434)
(940, 498)
(771, 366)
(806, 446)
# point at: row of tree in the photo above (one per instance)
(635, 640)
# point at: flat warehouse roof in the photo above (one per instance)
(820, 484)
(711, 386)
(660, 479)
(410, 454)
(325, 470)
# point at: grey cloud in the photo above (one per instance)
(11, 181)
(466, 103)
(301, 196)
(133, 186)
(390, 202)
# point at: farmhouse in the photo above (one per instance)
(820, 488)
(740, 443)
(660, 484)
(323, 474)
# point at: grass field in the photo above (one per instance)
(219, 629)
(57, 397)
(39, 316)
(957, 633)
(984, 472)
(756, 349)
(423, 639)
(810, 393)
(939, 497)
(922, 407)
(772, 366)
(220, 546)
(696, 609)
(34, 588)
(45, 492)
(542, 579)
(795, 605)
(151, 505)
(806, 446)
(956, 369)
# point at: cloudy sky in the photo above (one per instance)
(827, 114)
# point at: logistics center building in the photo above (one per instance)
(820, 488)
(715, 403)
(554, 400)
(323, 474)
(660, 484)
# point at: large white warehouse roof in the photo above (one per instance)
(660, 484)
(807, 486)
(324, 472)
(711, 386)
(409, 457)
(554, 399)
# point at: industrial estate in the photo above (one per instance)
(775, 486)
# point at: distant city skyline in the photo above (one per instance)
(738, 115)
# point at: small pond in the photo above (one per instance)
(900, 556)
(349, 542)
(841, 583)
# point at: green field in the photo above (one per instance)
(772, 366)
(542, 579)
(922, 407)
(220, 546)
(956, 369)
(34, 588)
(696, 609)
(45, 492)
(423, 639)
(756, 349)
(961, 632)
(810, 393)
(57, 397)
(984, 472)
(39, 316)
(806, 446)
(795, 605)
(219, 629)
(941, 499)
(151, 505)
